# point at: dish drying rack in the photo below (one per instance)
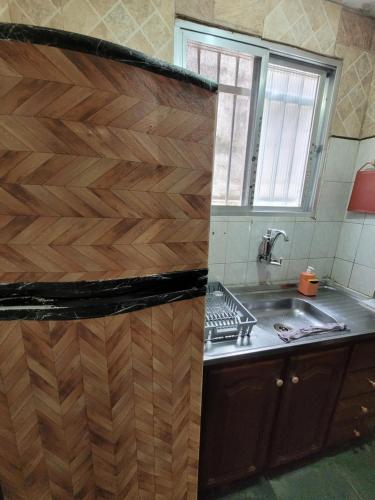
(226, 318)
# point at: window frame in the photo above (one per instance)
(265, 52)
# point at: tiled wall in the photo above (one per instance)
(145, 25)
(326, 28)
(354, 264)
(234, 241)
(320, 26)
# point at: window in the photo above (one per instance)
(273, 111)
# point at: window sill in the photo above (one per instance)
(229, 212)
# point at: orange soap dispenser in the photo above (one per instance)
(308, 282)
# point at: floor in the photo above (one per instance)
(348, 475)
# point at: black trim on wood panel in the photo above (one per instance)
(102, 48)
(93, 299)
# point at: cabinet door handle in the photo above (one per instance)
(371, 382)
(364, 410)
(279, 382)
(295, 379)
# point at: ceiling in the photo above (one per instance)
(365, 6)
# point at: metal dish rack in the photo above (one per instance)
(226, 318)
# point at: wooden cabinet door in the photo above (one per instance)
(309, 398)
(238, 411)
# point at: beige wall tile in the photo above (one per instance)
(145, 25)
(245, 15)
(80, 17)
(303, 23)
(140, 10)
(355, 30)
(4, 11)
(196, 9)
(37, 12)
(166, 52)
(121, 23)
(101, 6)
(368, 127)
(353, 93)
(157, 31)
(139, 42)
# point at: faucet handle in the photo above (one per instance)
(276, 262)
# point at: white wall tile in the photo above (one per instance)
(218, 242)
(282, 249)
(258, 229)
(370, 219)
(363, 279)
(333, 201)
(325, 238)
(355, 217)
(366, 248)
(341, 159)
(235, 273)
(348, 241)
(302, 237)
(252, 273)
(259, 272)
(216, 272)
(238, 241)
(295, 268)
(323, 267)
(341, 271)
(366, 152)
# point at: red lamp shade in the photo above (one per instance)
(363, 194)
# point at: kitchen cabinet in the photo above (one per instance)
(268, 413)
(354, 416)
(312, 384)
(238, 412)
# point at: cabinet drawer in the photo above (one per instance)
(344, 433)
(363, 356)
(352, 409)
(341, 434)
(354, 418)
(359, 382)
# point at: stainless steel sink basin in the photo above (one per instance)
(288, 314)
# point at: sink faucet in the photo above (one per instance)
(266, 247)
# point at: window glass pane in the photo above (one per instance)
(208, 63)
(234, 105)
(240, 132)
(245, 72)
(285, 137)
(222, 148)
(192, 57)
(228, 69)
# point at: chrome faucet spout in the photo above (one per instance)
(267, 244)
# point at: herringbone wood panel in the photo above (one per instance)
(105, 168)
(102, 408)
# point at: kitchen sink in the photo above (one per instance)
(288, 314)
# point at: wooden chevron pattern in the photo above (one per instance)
(105, 168)
(102, 408)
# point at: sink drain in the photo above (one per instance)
(280, 327)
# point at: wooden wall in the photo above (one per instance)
(106, 408)
(105, 168)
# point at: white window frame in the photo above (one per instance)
(265, 51)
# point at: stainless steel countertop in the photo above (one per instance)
(346, 307)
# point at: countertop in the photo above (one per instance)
(342, 305)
